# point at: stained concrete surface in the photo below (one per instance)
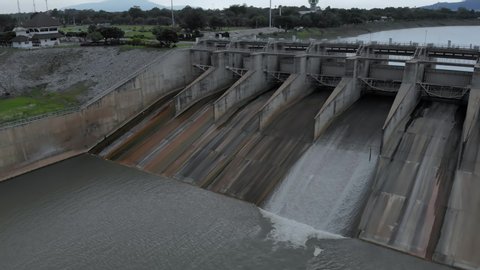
(234, 158)
(413, 181)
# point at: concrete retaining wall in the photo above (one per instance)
(347, 92)
(386, 72)
(213, 80)
(333, 69)
(293, 89)
(61, 136)
(406, 100)
(344, 95)
(249, 86)
(448, 77)
(459, 242)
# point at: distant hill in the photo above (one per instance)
(119, 5)
(468, 4)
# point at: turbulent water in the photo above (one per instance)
(326, 188)
(88, 213)
(414, 179)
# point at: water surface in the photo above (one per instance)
(87, 213)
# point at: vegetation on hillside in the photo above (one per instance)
(138, 24)
(244, 16)
(39, 101)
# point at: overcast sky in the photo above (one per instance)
(10, 6)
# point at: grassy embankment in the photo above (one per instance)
(40, 101)
(130, 30)
(355, 30)
(141, 32)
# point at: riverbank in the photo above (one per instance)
(360, 29)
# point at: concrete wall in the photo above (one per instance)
(215, 79)
(386, 72)
(344, 96)
(333, 69)
(448, 77)
(293, 89)
(251, 84)
(54, 138)
(406, 100)
(347, 92)
(459, 242)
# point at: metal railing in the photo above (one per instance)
(325, 80)
(382, 85)
(447, 92)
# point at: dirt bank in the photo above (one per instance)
(89, 71)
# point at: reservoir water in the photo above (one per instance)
(88, 213)
(459, 35)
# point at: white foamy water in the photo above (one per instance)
(294, 233)
(328, 186)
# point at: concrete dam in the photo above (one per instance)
(375, 141)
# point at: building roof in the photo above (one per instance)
(19, 29)
(41, 20)
(47, 36)
(20, 39)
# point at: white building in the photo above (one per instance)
(40, 31)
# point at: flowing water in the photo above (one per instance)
(327, 187)
(88, 213)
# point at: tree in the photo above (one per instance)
(95, 36)
(216, 22)
(166, 36)
(192, 19)
(136, 12)
(111, 32)
(7, 23)
(92, 28)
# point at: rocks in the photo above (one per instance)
(61, 68)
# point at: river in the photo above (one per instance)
(88, 213)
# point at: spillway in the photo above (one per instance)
(327, 187)
(459, 242)
(412, 184)
(234, 158)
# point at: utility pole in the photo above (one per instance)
(270, 14)
(34, 6)
(46, 4)
(18, 5)
(173, 17)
